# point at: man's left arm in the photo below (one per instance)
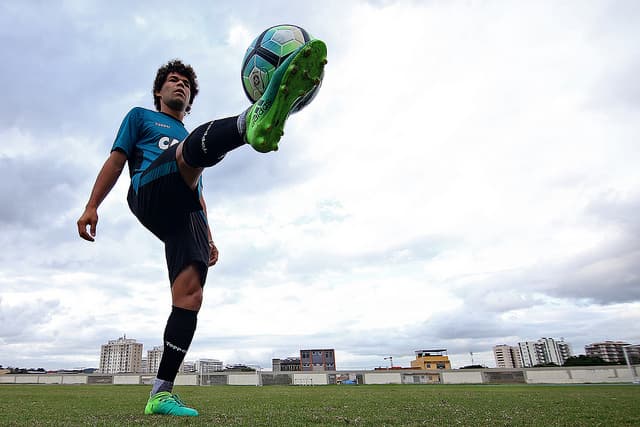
(213, 251)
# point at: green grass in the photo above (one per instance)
(388, 405)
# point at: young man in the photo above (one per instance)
(165, 166)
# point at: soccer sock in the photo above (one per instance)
(178, 334)
(210, 142)
(242, 124)
(161, 385)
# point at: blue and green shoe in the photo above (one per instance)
(165, 403)
(294, 79)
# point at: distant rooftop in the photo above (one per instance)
(437, 350)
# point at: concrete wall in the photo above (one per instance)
(126, 379)
(74, 379)
(50, 379)
(187, 379)
(310, 379)
(560, 375)
(594, 375)
(547, 376)
(7, 379)
(625, 373)
(461, 377)
(27, 379)
(383, 378)
(244, 379)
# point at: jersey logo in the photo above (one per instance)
(166, 142)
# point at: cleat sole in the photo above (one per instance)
(291, 88)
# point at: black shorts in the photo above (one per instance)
(166, 206)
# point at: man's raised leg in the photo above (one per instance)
(207, 145)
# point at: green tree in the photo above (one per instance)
(546, 365)
(584, 360)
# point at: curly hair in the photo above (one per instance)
(175, 66)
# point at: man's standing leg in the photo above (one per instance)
(186, 294)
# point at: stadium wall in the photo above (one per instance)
(559, 375)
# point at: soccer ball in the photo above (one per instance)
(266, 53)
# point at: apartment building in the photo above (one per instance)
(545, 350)
(507, 356)
(613, 351)
(120, 356)
(153, 359)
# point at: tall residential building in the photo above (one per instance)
(507, 356)
(545, 350)
(431, 359)
(555, 351)
(153, 359)
(318, 360)
(613, 351)
(121, 355)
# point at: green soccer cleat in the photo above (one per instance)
(296, 77)
(165, 403)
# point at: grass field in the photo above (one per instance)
(385, 405)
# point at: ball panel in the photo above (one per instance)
(256, 76)
(266, 53)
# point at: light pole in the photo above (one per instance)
(390, 359)
(634, 378)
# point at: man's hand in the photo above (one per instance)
(213, 254)
(90, 218)
(105, 181)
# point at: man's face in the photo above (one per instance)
(175, 92)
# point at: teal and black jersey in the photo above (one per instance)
(143, 136)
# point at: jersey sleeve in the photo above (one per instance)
(200, 186)
(128, 134)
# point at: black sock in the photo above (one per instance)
(209, 143)
(178, 334)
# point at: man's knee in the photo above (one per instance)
(210, 142)
(187, 289)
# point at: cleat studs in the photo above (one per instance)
(316, 81)
(306, 52)
(284, 89)
(293, 69)
(305, 74)
(324, 61)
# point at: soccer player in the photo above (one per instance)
(165, 166)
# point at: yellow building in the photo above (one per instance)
(431, 359)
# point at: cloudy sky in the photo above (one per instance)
(466, 177)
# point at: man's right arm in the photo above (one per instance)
(105, 181)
